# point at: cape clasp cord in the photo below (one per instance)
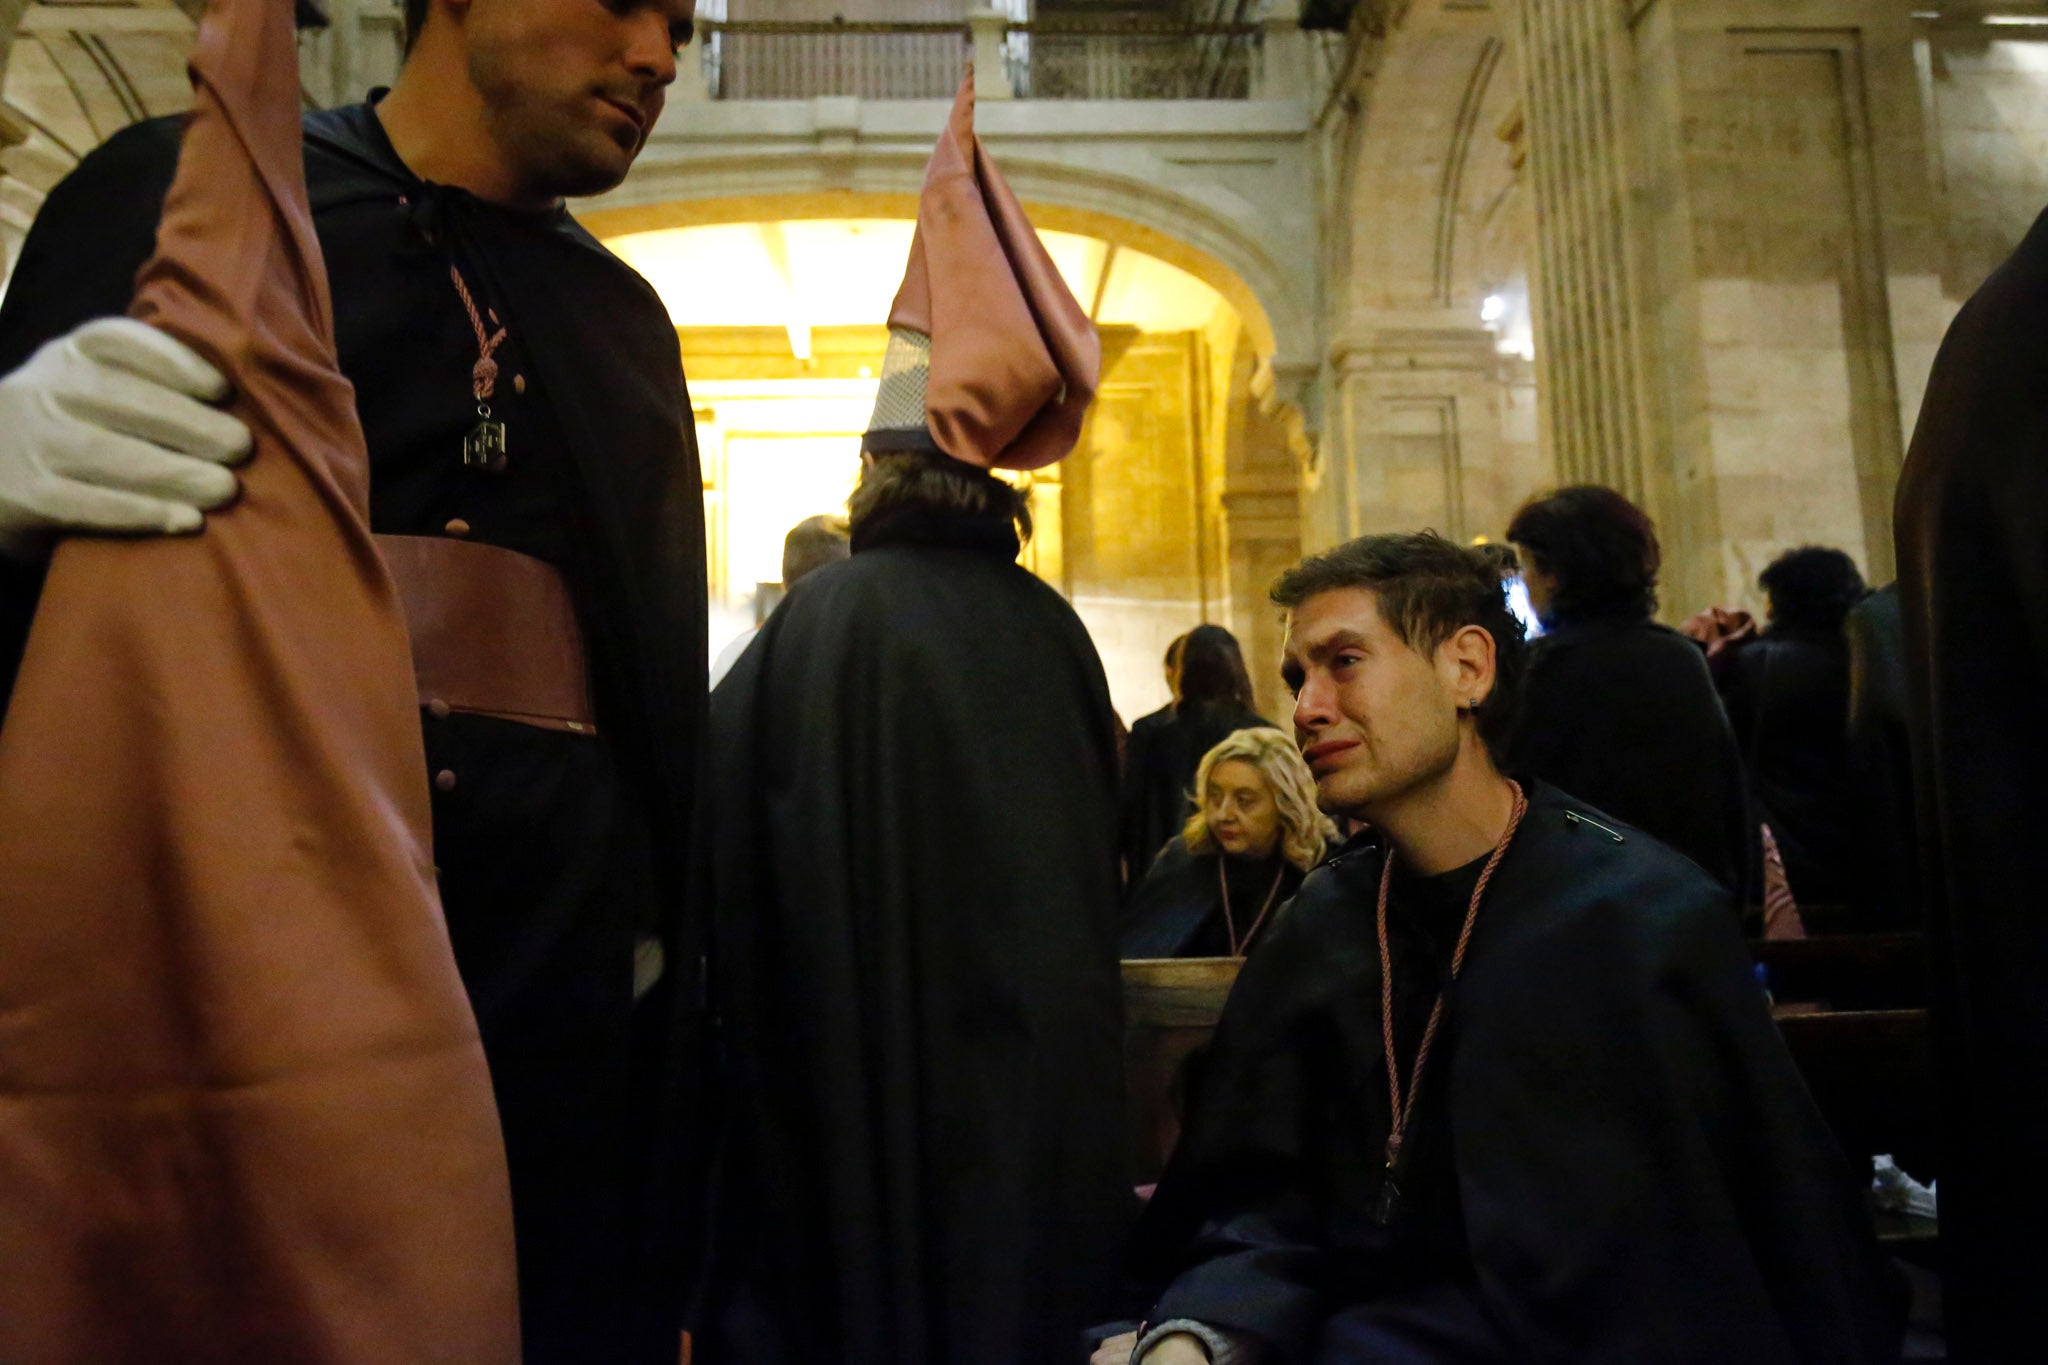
(1237, 945)
(1399, 1111)
(485, 446)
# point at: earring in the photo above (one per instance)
(1474, 703)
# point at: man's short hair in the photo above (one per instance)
(415, 19)
(810, 545)
(898, 481)
(1427, 589)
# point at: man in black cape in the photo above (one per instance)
(912, 823)
(1603, 1152)
(560, 849)
(1973, 594)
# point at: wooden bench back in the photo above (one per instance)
(1171, 1006)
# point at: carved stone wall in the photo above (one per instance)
(1428, 410)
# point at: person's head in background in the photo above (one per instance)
(810, 545)
(1254, 799)
(1212, 671)
(1811, 589)
(1173, 666)
(925, 485)
(1587, 554)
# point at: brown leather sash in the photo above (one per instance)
(493, 632)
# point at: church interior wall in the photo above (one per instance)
(1429, 416)
(1986, 98)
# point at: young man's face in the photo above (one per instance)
(572, 87)
(1374, 718)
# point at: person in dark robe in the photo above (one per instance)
(1500, 1087)
(1212, 699)
(808, 546)
(1617, 709)
(1787, 692)
(1219, 883)
(1973, 592)
(1884, 875)
(913, 866)
(462, 286)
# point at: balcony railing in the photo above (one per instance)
(766, 59)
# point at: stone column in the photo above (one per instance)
(1283, 66)
(1738, 282)
(991, 73)
(1588, 361)
(1420, 425)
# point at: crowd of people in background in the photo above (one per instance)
(1706, 736)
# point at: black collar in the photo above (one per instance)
(935, 527)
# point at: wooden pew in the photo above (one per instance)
(1872, 1074)
(1848, 971)
(1171, 1006)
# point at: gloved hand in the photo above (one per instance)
(108, 428)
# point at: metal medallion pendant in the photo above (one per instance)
(1389, 1203)
(484, 447)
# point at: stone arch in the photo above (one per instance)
(1205, 231)
(1431, 420)
(1138, 569)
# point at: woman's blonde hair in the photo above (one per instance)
(1304, 830)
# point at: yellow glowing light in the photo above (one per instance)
(843, 272)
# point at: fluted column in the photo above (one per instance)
(1589, 353)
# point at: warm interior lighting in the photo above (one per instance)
(784, 443)
(843, 272)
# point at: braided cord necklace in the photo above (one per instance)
(1400, 1112)
(1237, 945)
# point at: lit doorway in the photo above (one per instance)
(774, 453)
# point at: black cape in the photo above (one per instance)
(554, 850)
(1972, 534)
(1788, 697)
(1160, 760)
(911, 824)
(1613, 1158)
(1177, 911)
(1624, 714)
(1884, 877)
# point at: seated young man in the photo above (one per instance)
(1590, 1144)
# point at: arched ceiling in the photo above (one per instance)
(836, 272)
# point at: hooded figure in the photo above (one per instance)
(244, 1111)
(1973, 597)
(912, 844)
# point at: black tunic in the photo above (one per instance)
(1177, 911)
(553, 849)
(1623, 714)
(1884, 876)
(1788, 698)
(915, 966)
(1612, 1159)
(1160, 760)
(1972, 533)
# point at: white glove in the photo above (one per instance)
(108, 429)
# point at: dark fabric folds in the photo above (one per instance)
(1973, 593)
(1612, 1158)
(915, 969)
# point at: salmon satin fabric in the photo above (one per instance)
(244, 1113)
(1014, 358)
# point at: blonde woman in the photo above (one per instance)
(1254, 835)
